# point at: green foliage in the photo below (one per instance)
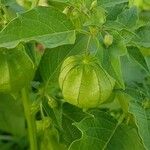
(74, 74)
(12, 119)
(36, 25)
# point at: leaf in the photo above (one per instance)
(102, 132)
(142, 119)
(7, 2)
(61, 1)
(132, 72)
(11, 116)
(110, 3)
(114, 25)
(128, 17)
(97, 17)
(12, 6)
(54, 113)
(5, 146)
(143, 34)
(45, 25)
(127, 35)
(71, 114)
(123, 101)
(135, 53)
(112, 60)
(113, 12)
(145, 17)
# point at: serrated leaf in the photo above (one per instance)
(45, 25)
(135, 54)
(142, 119)
(102, 132)
(128, 17)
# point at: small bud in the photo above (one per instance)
(108, 40)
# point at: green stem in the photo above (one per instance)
(30, 119)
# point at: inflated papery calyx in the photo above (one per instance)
(84, 82)
(16, 70)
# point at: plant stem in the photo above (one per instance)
(30, 119)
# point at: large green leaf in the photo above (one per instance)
(113, 12)
(11, 116)
(128, 17)
(102, 132)
(135, 54)
(112, 60)
(142, 119)
(143, 36)
(132, 72)
(46, 25)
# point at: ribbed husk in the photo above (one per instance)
(84, 82)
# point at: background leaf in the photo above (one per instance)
(142, 119)
(11, 116)
(128, 17)
(110, 3)
(143, 36)
(112, 62)
(135, 54)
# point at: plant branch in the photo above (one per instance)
(30, 119)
